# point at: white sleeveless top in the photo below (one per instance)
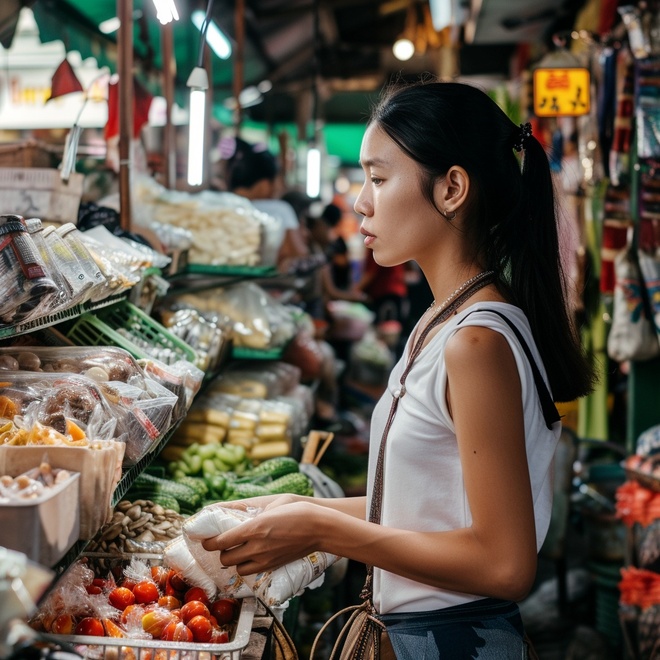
(423, 481)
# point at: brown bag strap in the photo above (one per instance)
(476, 283)
(284, 647)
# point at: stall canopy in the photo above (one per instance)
(346, 58)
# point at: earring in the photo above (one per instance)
(450, 215)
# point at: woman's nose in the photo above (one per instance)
(362, 205)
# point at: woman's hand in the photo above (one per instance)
(283, 532)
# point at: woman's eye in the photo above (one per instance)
(375, 180)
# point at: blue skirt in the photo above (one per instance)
(488, 629)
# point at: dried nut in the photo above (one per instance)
(124, 505)
(135, 511)
(140, 502)
(158, 510)
(117, 516)
(126, 521)
(112, 531)
(146, 537)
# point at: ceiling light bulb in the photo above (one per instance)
(166, 11)
(403, 49)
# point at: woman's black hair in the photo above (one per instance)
(510, 214)
(249, 165)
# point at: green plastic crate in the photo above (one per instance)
(101, 329)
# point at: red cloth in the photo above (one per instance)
(141, 103)
(64, 81)
(387, 280)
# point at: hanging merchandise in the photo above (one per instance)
(620, 152)
(632, 336)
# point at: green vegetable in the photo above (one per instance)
(276, 467)
(296, 482)
(195, 483)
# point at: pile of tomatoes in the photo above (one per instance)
(164, 607)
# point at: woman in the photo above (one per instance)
(467, 490)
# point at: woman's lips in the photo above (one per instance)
(368, 237)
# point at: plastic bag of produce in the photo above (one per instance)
(273, 587)
(27, 290)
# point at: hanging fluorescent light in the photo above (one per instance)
(313, 186)
(110, 26)
(198, 83)
(215, 38)
(166, 11)
(403, 49)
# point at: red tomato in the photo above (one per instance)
(160, 574)
(169, 602)
(223, 610)
(177, 631)
(93, 590)
(64, 624)
(220, 637)
(100, 582)
(90, 626)
(201, 627)
(129, 584)
(146, 592)
(121, 598)
(194, 608)
(177, 581)
(196, 593)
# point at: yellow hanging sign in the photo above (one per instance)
(561, 92)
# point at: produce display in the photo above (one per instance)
(136, 601)
(141, 407)
(136, 526)
(226, 229)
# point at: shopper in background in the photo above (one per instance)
(467, 481)
(252, 172)
(340, 266)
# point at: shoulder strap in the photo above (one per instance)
(550, 412)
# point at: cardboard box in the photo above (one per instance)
(35, 192)
(100, 471)
(44, 528)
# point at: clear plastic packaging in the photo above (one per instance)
(64, 297)
(142, 408)
(27, 290)
(71, 236)
(119, 275)
(205, 337)
(273, 587)
(81, 283)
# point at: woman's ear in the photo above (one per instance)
(451, 192)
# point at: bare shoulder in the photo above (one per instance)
(478, 349)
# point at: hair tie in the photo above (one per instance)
(523, 135)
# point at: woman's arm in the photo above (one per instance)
(495, 556)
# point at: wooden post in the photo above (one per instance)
(169, 135)
(239, 19)
(125, 70)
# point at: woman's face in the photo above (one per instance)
(399, 223)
